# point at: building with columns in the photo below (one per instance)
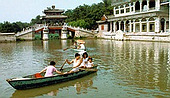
(137, 16)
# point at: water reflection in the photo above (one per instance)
(45, 45)
(136, 69)
(138, 64)
(81, 85)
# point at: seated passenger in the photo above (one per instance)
(90, 63)
(84, 60)
(76, 63)
(50, 69)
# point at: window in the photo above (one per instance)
(127, 10)
(117, 12)
(122, 11)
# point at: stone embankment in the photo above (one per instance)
(7, 37)
(151, 36)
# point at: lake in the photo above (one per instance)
(127, 69)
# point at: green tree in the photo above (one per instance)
(89, 14)
(79, 23)
(8, 27)
(37, 20)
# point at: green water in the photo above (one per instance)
(129, 69)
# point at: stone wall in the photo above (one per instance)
(7, 37)
(158, 37)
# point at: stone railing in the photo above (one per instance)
(30, 29)
(80, 29)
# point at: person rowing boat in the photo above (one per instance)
(76, 63)
(81, 45)
(50, 69)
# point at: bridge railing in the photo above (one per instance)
(30, 29)
(80, 29)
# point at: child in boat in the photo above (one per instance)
(90, 63)
(84, 60)
(76, 63)
(50, 69)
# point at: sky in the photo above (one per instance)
(25, 10)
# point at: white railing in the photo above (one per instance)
(40, 26)
(30, 29)
(80, 29)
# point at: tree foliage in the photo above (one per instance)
(37, 20)
(82, 16)
(88, 14)
(8, 27)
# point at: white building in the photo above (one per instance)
(137, 16)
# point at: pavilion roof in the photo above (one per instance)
(54, 17)
(53, 11)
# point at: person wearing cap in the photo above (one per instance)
(81, 45)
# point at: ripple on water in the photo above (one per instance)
(126, 69)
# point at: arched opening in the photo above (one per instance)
(127, 26)
(151, 24)
(122, 10)
(137, 6)
(137, 25)
(117, 26)
(127, 9)
(151, 3)
(122, 26)
(108, 27)
(117, 10)
(151, 19)
(163, 25)
(144, 25)
(144, 5)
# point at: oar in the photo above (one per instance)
(65, 49)
(62, 66)
(88, 69)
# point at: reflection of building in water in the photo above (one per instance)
(144, 64)
(147, 64)
(168, 67)
(45, 45)
(64, 43)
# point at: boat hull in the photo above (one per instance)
(39, 82)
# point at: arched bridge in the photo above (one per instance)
(29, 34)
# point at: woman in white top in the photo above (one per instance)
(76, 63)
(84, 60)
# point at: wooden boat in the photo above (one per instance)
(30, 93)
(31, 81)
